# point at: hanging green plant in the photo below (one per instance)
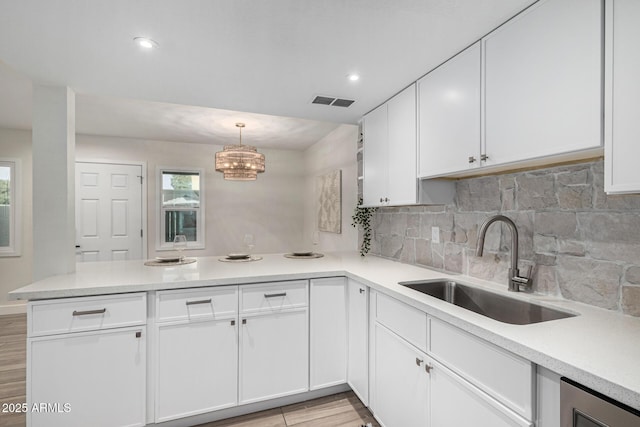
(362, 217)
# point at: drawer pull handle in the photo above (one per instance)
(202, 301)
(233, 323)
(84, 313)
(282, 294)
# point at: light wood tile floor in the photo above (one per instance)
(13, 363)
(338, 410)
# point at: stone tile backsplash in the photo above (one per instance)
(582, 244)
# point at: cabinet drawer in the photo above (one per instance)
(406, 321)
(61, 316)
(505, 376)
(273, 296)
(213, 303)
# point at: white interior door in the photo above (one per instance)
(108, 212)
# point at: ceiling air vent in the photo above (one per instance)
(324, 100)
(342, 102)
(333, 101)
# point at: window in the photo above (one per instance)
(9, 207)
(181, 199)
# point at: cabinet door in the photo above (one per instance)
(274, 355)
(401, 382)
(375, 169)
(449, 115)
(401, 148)
(543, 82)
(358, 317)
(197, 368)
(88, 378)
(622, 91)
(455, 402)
(328, 332)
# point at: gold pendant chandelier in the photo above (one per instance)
(240, 162)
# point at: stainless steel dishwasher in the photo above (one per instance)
(582, 407)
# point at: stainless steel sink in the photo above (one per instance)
(495, 306)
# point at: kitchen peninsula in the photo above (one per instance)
(597, 348)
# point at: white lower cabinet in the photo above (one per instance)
(95, 378)
(510, 379)
(274, 356)
(274, 340)
(196, 351)
(87, 361)
(460, 380)
(197, 368)
(358, 334)
(327, 332)
(400, 381)
(455, 402)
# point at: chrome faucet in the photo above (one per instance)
(515, 280)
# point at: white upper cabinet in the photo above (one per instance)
(449, 115)
(389, 154)
(401, 150)
(543, 82)
(375, 129)
(622, 97)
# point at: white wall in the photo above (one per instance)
(335, 151)
(17, 271)
(271, 207)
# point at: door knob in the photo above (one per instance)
(472, 159)
(484, 157)
(419, 361)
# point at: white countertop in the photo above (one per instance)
(598, 348)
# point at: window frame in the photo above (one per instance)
(161, 245)
(15, 212)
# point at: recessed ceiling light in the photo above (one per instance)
(145, 42)
(353, 77)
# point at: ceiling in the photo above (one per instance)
(269, 57)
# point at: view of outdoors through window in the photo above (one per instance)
(180, 204)
(5, 206)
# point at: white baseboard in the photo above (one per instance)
(20, 308)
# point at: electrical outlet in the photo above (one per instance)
(435, 234)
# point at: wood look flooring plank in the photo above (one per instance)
(8, 390)
(13, 325)
(340, 410)
(12, 419)
(269, 418)
(11, 363)
(317, 409)
(13, 346)
(13, 375)
(14, 338)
